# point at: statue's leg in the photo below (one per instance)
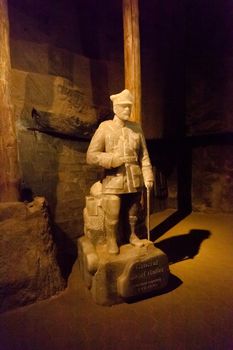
(111, 206)
(133, 218)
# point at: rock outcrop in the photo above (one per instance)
(28, 267)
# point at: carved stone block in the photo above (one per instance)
(113, 279)
(143, 275)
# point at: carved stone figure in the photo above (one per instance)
(113, 215)
(119, 146)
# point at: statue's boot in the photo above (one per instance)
(111, 233)
(133, 239)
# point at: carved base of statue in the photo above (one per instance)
(112, 270)
(113, 279)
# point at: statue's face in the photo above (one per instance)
(122, 111)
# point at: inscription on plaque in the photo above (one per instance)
(141, 277)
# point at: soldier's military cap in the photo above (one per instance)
(124, 97)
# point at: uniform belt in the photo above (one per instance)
(130, 159)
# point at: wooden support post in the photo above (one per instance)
(132, 54)
(9, 169)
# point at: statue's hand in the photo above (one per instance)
(117, 161)
(149, 184)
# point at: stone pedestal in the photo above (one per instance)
(113, 279)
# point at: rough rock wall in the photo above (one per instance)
(67, 62)
(48, 76)
(29, 269)
(213, 178)
(208, 105)
(209, 69)
(56, 168)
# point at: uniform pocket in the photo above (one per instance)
(114, 182)
(134, 141)
(136, 175)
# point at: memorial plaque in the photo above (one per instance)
(143, 276)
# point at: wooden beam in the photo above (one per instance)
(9, 168)
(132, 54)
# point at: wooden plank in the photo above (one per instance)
(9, 168)
(132, 54)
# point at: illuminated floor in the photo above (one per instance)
(196, 314)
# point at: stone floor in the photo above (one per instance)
(196, 311)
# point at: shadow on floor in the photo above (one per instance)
(168, 223)
(183, 247)
(173, 283)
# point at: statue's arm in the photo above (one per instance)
(96, 154)
(145, 161)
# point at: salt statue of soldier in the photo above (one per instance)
(119, 147)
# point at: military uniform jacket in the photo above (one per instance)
(124, 141)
